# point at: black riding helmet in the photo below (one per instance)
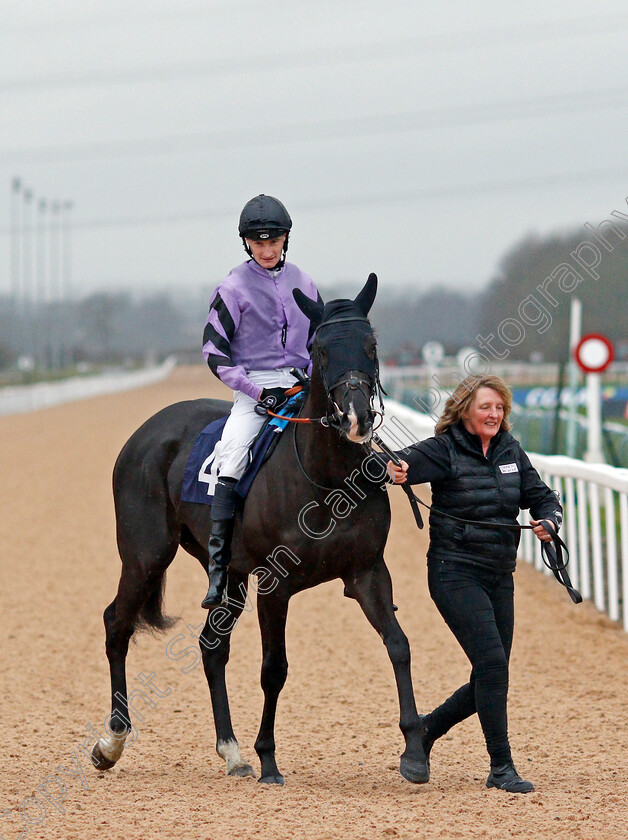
(264, 217)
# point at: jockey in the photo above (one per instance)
(254, 334)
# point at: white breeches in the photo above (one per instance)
(243, 423)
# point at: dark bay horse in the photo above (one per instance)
(317, 511)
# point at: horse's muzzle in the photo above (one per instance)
(356, 428)
(352, 402)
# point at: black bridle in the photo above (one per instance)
(352, 380)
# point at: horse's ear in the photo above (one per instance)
(313, 309)
(365, 298)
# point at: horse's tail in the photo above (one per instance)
(151, 616)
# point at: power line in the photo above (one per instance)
(345, 54)
(393, 196)
(304, 132)
(134, 15)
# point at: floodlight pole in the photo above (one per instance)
(41, 294)
(66, 250)
(55, 285)
(16, 260)
(27, 272)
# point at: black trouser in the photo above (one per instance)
(478, 607)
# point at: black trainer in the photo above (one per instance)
(506, 777)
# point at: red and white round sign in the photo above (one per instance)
(594, 353)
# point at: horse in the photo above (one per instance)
(317, 510)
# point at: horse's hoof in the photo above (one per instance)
(99, 761)
(242, 770)
(417, 772)
(272, 780)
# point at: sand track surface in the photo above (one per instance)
(338, 741)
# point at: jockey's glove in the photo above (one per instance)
(273, 398)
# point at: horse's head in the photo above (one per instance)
(344, 354)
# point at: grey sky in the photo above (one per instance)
(419, 140)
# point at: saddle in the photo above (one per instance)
(201, 471)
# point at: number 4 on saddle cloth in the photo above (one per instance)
(201, 472)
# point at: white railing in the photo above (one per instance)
(595, 502)
(403, 425)
(23, 398)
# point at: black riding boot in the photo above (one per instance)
(221, 531)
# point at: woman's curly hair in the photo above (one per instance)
(460, 401)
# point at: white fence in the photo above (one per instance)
(595, 501)
(23, 398)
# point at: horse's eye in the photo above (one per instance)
(370, 345)
(322, 357)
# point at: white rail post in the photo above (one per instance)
(526, 548)
(572, 531)
(583, 539)
(558, 486)
(611, 554)
(623, 518)
(596, 547)
(539, 565)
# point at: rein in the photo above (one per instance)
(323, 421)
(302, 468)
(327, 421)
(552, 556)
(296, 389)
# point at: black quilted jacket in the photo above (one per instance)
(470, 485)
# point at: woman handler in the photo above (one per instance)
(478, 471)
(254, 334)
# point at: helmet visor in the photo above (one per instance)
(262, 234)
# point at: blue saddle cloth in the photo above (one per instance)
(201, 474)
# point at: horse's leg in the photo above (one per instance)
(147, 546)
(272, 613)
(373, 591)
(215, 643)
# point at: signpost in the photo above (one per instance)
(593, 354)
(433, 353)
(463, 357)
(575, 331)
